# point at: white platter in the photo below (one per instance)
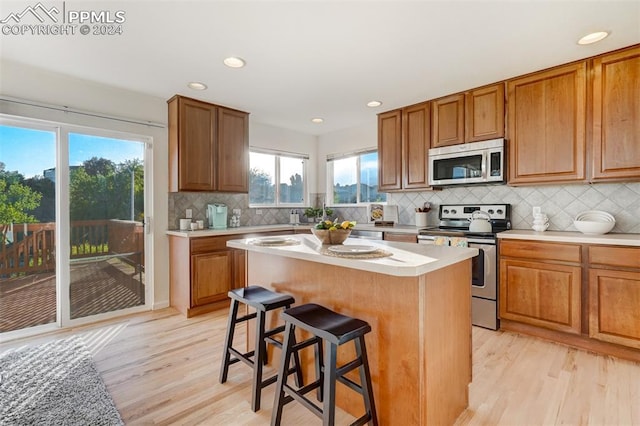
(353, 249)
(274, 241)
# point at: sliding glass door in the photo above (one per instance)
(106, 212)
(72, 228)
(27, 226)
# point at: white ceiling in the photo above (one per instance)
(324, 58)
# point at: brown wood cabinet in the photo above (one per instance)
(584, 295)
(473, 116)
(203, 270)
(400, 237)
(390, 150)
(448, 121)
(616, 116)
(546, 125)
(536, 289)
(403, 144)
(614, 295)
(208, 147)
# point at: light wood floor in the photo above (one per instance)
(162, 368)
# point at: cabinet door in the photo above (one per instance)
(547, 117)
(211, 277)
(196, 145)
(447, 121)
(541, 294)
(416, 127)
(484, 113)
(232, 151)
(390, 150)
(614, 306)
(616, 115)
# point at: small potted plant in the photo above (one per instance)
(315, 214)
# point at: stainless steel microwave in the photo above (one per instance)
(469, 163)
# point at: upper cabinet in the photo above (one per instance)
(208, 147)
(616, 115)
(448, 121)
(484, 113)
(546, 125)
(472, 116)
(403, 142)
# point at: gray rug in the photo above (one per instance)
(54, 384)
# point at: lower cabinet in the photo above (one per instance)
(203, 270)
(582, 294)
(541, 293)
(614, 295)
(212, 277)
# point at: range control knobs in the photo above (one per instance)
(454, 211)
(499, 211)
(490, 211)
(445, 211)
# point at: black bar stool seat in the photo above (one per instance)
(263, 301)
(336, 329)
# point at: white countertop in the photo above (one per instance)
(236, 231)
(397, 229)
(408, 259)
(572, 237)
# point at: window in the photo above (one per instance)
(277, 179)
(354, 179)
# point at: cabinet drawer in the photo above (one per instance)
(615, 256)
(207, 244)
(541, 251)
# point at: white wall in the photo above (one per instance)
(343, 141)
(34, 84)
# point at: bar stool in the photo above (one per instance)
(263, 301)
(336, 329)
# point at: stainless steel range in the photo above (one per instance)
(454, 230)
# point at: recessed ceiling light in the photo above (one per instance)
(317, 120)
(196, 85)
(234, 62)
(373, 104)
(593, 37)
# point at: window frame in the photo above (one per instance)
(305, 180)
(329, 193)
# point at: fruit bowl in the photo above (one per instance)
(328, 236)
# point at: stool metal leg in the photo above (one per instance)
(365, 381)
(228, 341)
(279, 398)
(329, 385)
(258, 361)
(319, 369)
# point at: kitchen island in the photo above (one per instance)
(417, 300)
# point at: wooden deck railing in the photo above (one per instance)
(32, 248)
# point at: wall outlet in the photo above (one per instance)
(536, 210)
(188, 213)
(237, 212)
(258, 211)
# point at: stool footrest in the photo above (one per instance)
(239, 356)
(298, 395)
(245, 318)
(362, 420)
(350, 383)
(348, 367)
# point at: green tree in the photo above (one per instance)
(16, 200)
(262, 190)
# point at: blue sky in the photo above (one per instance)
(30, 152)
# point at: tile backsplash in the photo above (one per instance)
(560, 202)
